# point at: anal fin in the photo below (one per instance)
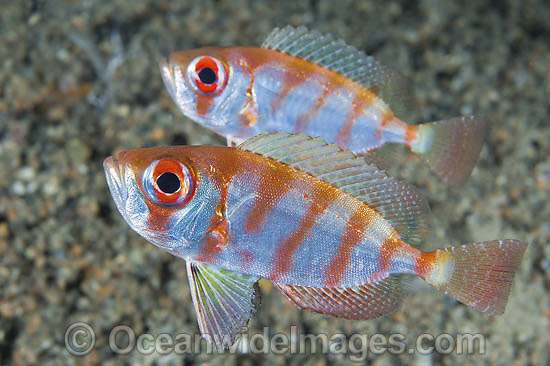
(362, 302)
(224, 302)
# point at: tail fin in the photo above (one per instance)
(480, 274)
(451, 147)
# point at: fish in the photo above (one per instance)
(335, 235)
(302, 81)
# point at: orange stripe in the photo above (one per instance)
(425, 263)
(355, 228)
(203, 103)
(215, 241)
(159, 217)
(320, 199)
(391, 248)
(217, 236)
(411, 134)
(387, 117)
(273, 186)
(249, 113)
(290, 81)
(358, 105)
(320, 101)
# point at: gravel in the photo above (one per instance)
(79, 81)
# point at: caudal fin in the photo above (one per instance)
(451, 147)
(480, 274)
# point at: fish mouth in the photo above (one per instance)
(167, 73)
(115, 181)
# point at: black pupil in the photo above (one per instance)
(208, 76)
(168, 183)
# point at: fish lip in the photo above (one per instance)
(115, 181)
(167, 74)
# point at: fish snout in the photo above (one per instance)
(167, 73)
(115, 181)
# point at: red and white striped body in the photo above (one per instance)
(330, 231)
(270, 91)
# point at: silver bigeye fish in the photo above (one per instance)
(301, 81)
(334, 234)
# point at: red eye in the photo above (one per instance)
(169, 183)
(207, 74)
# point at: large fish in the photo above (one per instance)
(333, 233)
(300, 81)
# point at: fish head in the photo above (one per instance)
(163, 195)
(209, 85)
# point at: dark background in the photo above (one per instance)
(79, 81)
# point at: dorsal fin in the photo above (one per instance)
(398, 202)
(394, 88)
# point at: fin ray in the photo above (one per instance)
(224, 301)
(480, 274)
(362, 302)
(451, 147)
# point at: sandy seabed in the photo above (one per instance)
(79, 81)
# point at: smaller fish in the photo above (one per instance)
(333, 233)
(301, 81)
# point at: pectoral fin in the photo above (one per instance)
(224, 302)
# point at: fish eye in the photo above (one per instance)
(169, 183)
(207, 75)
